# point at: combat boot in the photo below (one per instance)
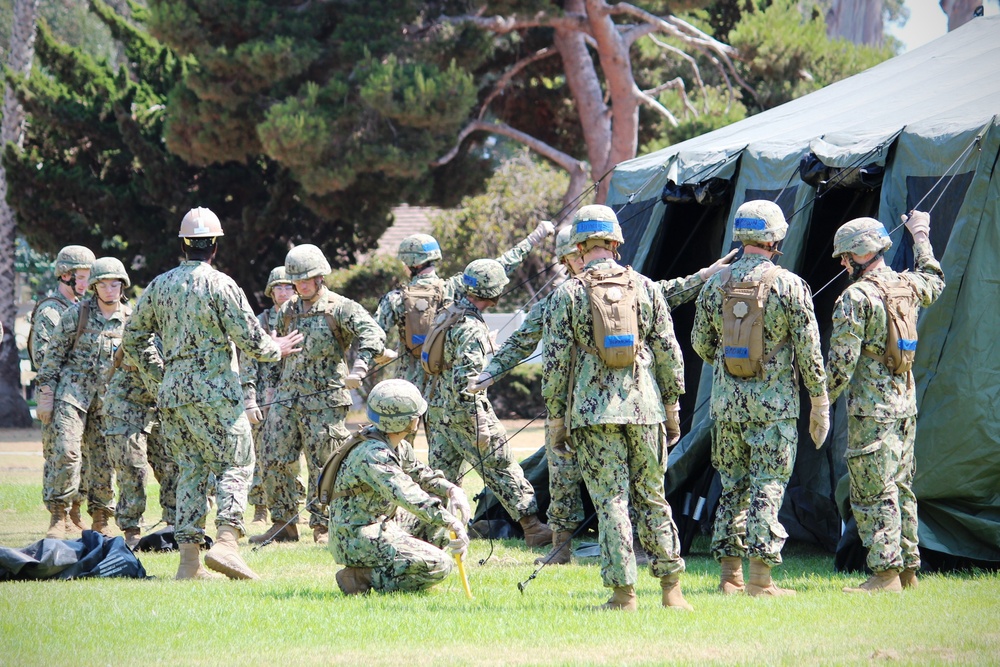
(190, 565)
(536, 533)
(562, 549)
(100, 524)
(760, 583)
(57, 524)
(673, 598)
(886, 581)
(224, 556)
(354, 580)
(908, 578)
(731, 581)
(278, 532)
(74, 516)
(321, 535)
(259, 514)
(132, 537)
(622, 599)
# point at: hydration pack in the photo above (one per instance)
(420, 306)
(613, 306)
(432, 351)
(743, 323)
(901, 310)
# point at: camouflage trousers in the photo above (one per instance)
(624, 464)
(288, 432)
(405, 554)
(755, 461)
(78, 444)
(258, 493)
(565, 511)
(207, 439)
(453, 441)
(881, 466)
(133, 452)
(49, 467)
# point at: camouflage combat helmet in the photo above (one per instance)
(595, 222)
(418, 249)
(759, 221)
(564, 246)
(392, 405)
(276, 277)
(73, 257)
(108, 268)
(485, 278)
(305, 261)
(860, 237)
(200, 223)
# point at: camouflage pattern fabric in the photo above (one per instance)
(257, 378)
(79, 444)
(166, 471)
(680, 290)
(45, 322)
(390, 312)
(755, 461)
(397, 498)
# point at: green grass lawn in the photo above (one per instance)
(296, 615)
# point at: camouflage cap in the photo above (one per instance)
(305, 261)
(108, 268)
(392, 405)
(418, 249)
(278, 276)
(860, 237)
(595, 221)
(485, 278)
(759, 221)
(73, 257)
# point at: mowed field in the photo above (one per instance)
(296, 615)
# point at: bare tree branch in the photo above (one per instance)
(515, 69)
(502, 25)
(653, 104)
(694, 66)
(678, 85)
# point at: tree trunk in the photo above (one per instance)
(13, 410)
(959, 11)
(859, 21)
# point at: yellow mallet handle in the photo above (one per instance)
(461, 571)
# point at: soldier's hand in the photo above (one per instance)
(459, 504)
(673, 423)
(819, 419)
(254, 413)
(288, 344)
(459, 543)
(480, 383)
(555, 431)
(386, 356)
(543, 229)
(717, 265)
(45, 400)
(919, 224)
(358, 372)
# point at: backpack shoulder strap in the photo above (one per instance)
(333, 464)
(82, 322)
(767, 280)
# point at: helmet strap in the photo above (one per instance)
(70, 282)
(858, 268)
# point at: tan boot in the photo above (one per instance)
(224, 556)
(259, 514)
(354, 580)
(74, 516)
(760, 583)
(536, 533)
(100, 524)
(278, 532)
(190, 565)
(132, 537)
(886, 581)
(321, 535)
(57, 524)
(731, 581)
(562, 549)
(622, 599)
(908, 578)
(673, 598)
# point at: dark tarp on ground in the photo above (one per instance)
(93, 555)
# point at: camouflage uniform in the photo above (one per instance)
(311, 401)
(463, 426)
(257, 378)
(200, 314)
(614, 423)
(882, 413)
(397, 523)
(77, 369)
(390, 312)
(756, 437)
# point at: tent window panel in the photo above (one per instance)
(634, 219)
(943, 198)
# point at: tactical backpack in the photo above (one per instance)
(31, 331)
(80, 326)
(420, 306)
(432, 351)
(614, 308)
(901, 309)
(328, 475)
(743, 323)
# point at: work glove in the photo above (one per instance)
(254, 413)
(543, 229)
(482, 430)
(269, 395)
(458, 504)
(44, 402)
(459, 543)
(386, 356)
(819, 418)
(717, 265)
(358, 372)
(919, 224)
(555, 430)
(482, 381)
(673, 423)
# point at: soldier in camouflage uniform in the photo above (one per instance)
(389, 513)
(259, 380)
(202, 316)
(312, 396)
(420, 253)
(881, 404)
(75, 369)
(73, 268)
(756, 438)
(614, 414)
